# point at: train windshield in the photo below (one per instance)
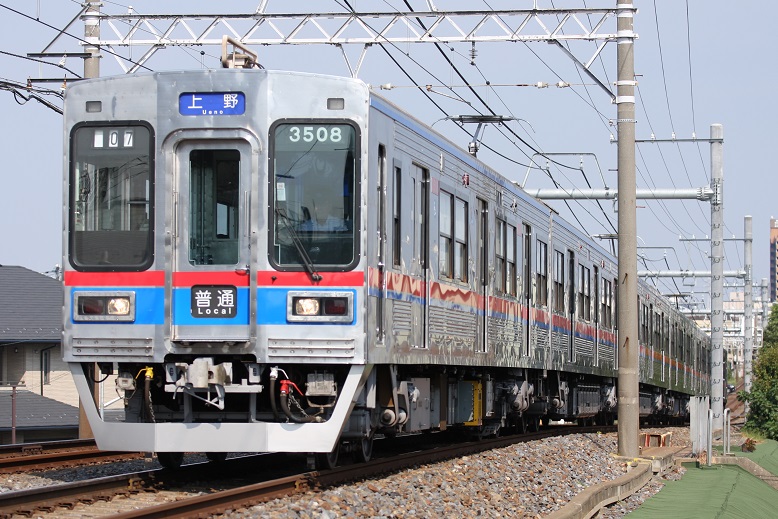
(313, 210)
(110, 198)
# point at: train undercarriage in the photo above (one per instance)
(346, 407)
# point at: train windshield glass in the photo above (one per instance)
(314, 206)
(110, 198)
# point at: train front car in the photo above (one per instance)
(213, 260)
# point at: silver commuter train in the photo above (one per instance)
(274, 261)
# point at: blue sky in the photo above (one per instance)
(712, 66)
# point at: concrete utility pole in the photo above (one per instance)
(717, 276)
(629, 347)
(748, 307)
(92, 36)
(91, 70)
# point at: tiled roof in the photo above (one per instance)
(30, 306)
(35, 411)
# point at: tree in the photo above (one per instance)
(770, 336)
(763, 397)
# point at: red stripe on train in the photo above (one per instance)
(230, 277)
(150, 278)
(156, 278)
(297, 279)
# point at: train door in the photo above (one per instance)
(381, 299)
(420, 258)
(595, 313)
(211, 256)
(526, 269)
(571, 305)
(482, 272)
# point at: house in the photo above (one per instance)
(31, 358)
(28, 417)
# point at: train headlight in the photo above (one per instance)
(320, 306)
(306, 306)
(103, 306)
(119, 306)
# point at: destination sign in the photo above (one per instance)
(212, 103)
(214, 301)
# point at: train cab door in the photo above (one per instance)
(211, 253)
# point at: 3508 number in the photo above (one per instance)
(318, 133)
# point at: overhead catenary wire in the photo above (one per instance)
(486, 100)
(492, 112)
(78, 38)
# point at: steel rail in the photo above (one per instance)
(26, 449)
(83, 456)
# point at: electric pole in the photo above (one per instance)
(628, 345)
(92, 37)
(717, 276)
(91, 70)
(748, 308)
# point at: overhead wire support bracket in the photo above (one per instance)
(585, 67)
(157, 31)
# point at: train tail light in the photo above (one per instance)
(335, 306)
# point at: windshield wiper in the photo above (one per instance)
(298, 244)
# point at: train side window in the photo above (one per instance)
(499, 251)
(559, 281)
(505, 261)
(526, 255)
(460, 239)
(510, 260)
(214, 207)
(111, 197)
(453, 245)
(542, 273)
(396, 220)
(446, 238)
(584, 292)
(607, 303)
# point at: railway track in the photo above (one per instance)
(47, 455)
(264, 486)
(26, 449)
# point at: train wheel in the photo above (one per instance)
(170, 460)
(328, 460)
(216, 457)
(364, 450)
